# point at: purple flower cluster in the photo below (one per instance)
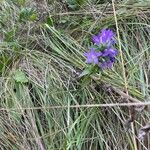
(103, 54)
(104, 37)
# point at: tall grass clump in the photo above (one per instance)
(49, 100)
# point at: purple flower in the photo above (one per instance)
(108, 61)
(110, 64)
(106, 36)
(110, 52)
(112, 59)
(96, 39)
(105, 58)
(105, 64)
(110, 43)
(92, 56)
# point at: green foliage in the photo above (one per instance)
(53, 72)
(10, 35)
(89, 70)
(27, 14)
(19, 2)
(20, 77)
(75, 4)
(50, 21)
(4, 63)
(138, 2)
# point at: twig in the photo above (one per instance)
(79, 106)
(127, 96)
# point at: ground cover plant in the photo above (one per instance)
(74, 74)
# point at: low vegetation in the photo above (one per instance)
(48, 100)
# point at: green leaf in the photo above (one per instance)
(89, 70)
(50, 21)
(63, 21)
(19, 2)
(86, 71)
(9, 35)
(4, 61)
(19, 76)
(27, 14)
(75, 4)
(33, 17)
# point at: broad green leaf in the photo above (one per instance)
(19, 76)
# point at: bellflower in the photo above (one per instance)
(92, 56)
(107, 63)
(106, 36)
(105, 55)
(103, 65)
(110, 52)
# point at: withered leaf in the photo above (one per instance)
(143, 131)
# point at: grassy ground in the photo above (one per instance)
(41, 58)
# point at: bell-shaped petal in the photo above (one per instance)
(92, 56)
